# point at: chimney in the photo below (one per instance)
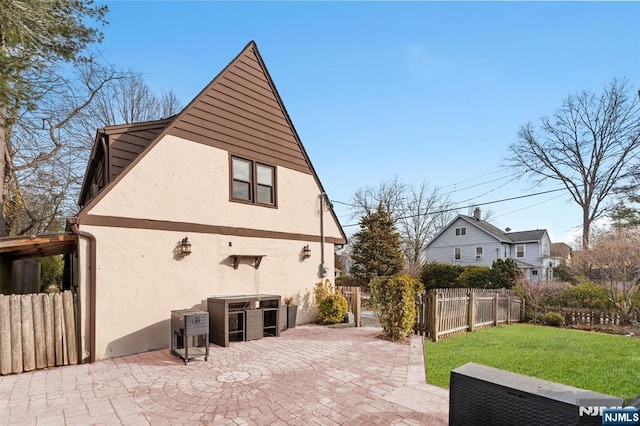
(476, 213)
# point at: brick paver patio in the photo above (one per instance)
(308, 375)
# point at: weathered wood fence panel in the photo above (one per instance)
(445, 311)
(353, 296)
(594, 317)
(37, 331)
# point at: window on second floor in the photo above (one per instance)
(457, 253)
(479, 253)
(253, 182)
(461, 231)
(520, 252)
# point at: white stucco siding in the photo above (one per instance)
(442, 249)
(139, 282)
(183, 181)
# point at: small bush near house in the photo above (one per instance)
(332, 307)
(475, 277)
(394, 303)
(440, 275)
(553, 319)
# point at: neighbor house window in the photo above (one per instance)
(252, 182)
(520, 251)
(461, 231)
(534, 272)
(457, 253)
(479, 252)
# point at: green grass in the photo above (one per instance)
(598, 362)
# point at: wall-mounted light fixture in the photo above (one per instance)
(185, 247)
(306, 252)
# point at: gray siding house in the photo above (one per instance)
(469, 240)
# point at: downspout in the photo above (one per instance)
(323, 268)
(92, 285)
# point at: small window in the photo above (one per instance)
(479, 252)
(520, 251)
(534, 272)
(242, 178)
(265, 184)
(457, 253)
(253, 182)
(461, 231)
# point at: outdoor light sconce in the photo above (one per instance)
(185, 247)
(306, 252)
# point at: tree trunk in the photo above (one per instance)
(3, 167)
(586, 226)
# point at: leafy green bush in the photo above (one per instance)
(504, 273)
(554, 319)
(333, 308)
(394, 303)
(586, 295)
(475, 277)
(51, 272)
(440, 275)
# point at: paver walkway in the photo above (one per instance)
(308, 375)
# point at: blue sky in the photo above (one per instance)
(426, 91)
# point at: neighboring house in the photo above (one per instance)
(230, 175)
(469, 240)
(561, 253)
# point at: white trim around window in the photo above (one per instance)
(461, 231)
(479, 252)
(521, 254)
(457, 253)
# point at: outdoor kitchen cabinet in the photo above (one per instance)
(242, 317)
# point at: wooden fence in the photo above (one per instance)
(352, 294)
(445, 311)
(37, 331)
(593, 317)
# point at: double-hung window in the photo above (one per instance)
(253, 182)
(461, 231)
(520, 253)
(479, 252)
(457, 253)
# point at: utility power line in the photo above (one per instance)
(461, 207)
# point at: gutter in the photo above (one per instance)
(92, 285)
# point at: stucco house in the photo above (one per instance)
(469, 240)
(229, 177)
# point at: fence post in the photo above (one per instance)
(16, 334)
(495, 309)
(508, 309)
(357, 314)
(5, 336)
(434, 317)
(472, 310)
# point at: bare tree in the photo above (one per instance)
(423, 214)
(388, 193)
(36, 39)
(45, 158)
(588, 146)
(613, 262)
(419, 212)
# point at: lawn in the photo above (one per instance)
(598, 362)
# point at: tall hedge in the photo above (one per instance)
(394, 303)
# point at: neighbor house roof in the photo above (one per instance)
(497, 233)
